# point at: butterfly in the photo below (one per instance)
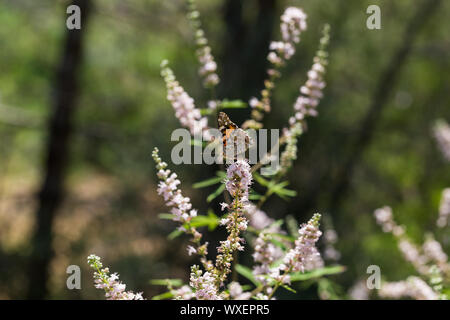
(232, 136)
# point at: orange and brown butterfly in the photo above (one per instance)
(231, 133)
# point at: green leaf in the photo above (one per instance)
(277, 223)
(299, 276)
(246, 287)
(207, 183)
(247, 273)
(283, 237)
(214, 220)
(254, 195)
(206, 111)
(292, 225)
(281, 191)
(288, 288)
(232, 104)
(221, 174)
(278, 244)
(174, 234)
(260, 179)
(165, 295)
(216, 193)
(167, 282)
(166, 216)
(211, 220)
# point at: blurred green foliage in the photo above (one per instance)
(123, 113)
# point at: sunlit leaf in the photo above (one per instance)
(232, 104)
(288, 288)
(167, 282)
(166, 216)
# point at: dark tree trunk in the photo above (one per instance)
(246, 47)
(60, 127)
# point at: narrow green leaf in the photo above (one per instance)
(162, 296)
(280, 190)
(247, 273)
(174, 234)
(283, 237)
(278, 244)
(207, 182)
(254, 195)
(232, 104)
(214, 220)
(221, 174)
(288, 288)
(211, 220)
(166, 216)
(260, 180)
(167, 282)
(292, 225)
(206, 111)
(216, 193)
(299, 276)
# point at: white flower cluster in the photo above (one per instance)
(413, 287)
(204, 284)
(420, 258)
(181, 206)
(385, 219)
(114, 289)
(258, 219)
(359, 291)
(311, 92)
(239, 179)
(237, 293)
(441, 132)
(444, 209)
(265, 254)
(289, 154)
(208, 66)
(410, 251)
(185, 110)
(183, 293)
(330, 252)
(304, 255)
(429, 260)
(237, 184)
(433, 250)
(412, 254)
(293, 23)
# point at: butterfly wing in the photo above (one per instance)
(226, 127)
(232, 134)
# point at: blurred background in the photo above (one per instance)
(80, 113)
